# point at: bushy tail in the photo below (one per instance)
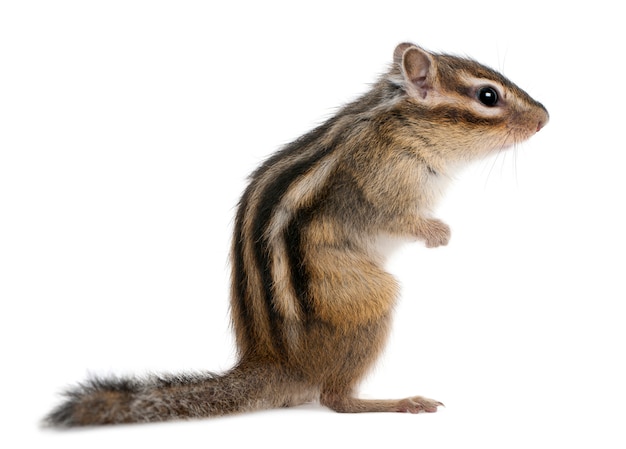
(162, 398)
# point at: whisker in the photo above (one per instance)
(501, 149)
(515, 164)
(502, 60)
(493, 162)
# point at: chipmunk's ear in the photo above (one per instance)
(417, 67)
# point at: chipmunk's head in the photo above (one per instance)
(476, 109)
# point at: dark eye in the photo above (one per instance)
(488, 96)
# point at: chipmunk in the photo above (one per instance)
(311, 302)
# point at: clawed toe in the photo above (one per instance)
(419, 404)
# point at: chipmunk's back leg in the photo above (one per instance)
(339, 389)
(353, 319)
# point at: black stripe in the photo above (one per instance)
(271, 197)
(341, 201)
(299, 272)
(240, 273)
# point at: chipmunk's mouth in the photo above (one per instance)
(519, 134)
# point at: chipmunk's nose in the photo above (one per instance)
(543, 121)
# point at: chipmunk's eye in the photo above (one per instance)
(488, 96)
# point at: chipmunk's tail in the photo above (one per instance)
(163, 398)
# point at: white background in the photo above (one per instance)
(127, 130)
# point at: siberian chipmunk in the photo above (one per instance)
(311, 302)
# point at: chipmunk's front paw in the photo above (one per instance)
(434, 232)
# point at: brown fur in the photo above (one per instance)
(311, 302)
